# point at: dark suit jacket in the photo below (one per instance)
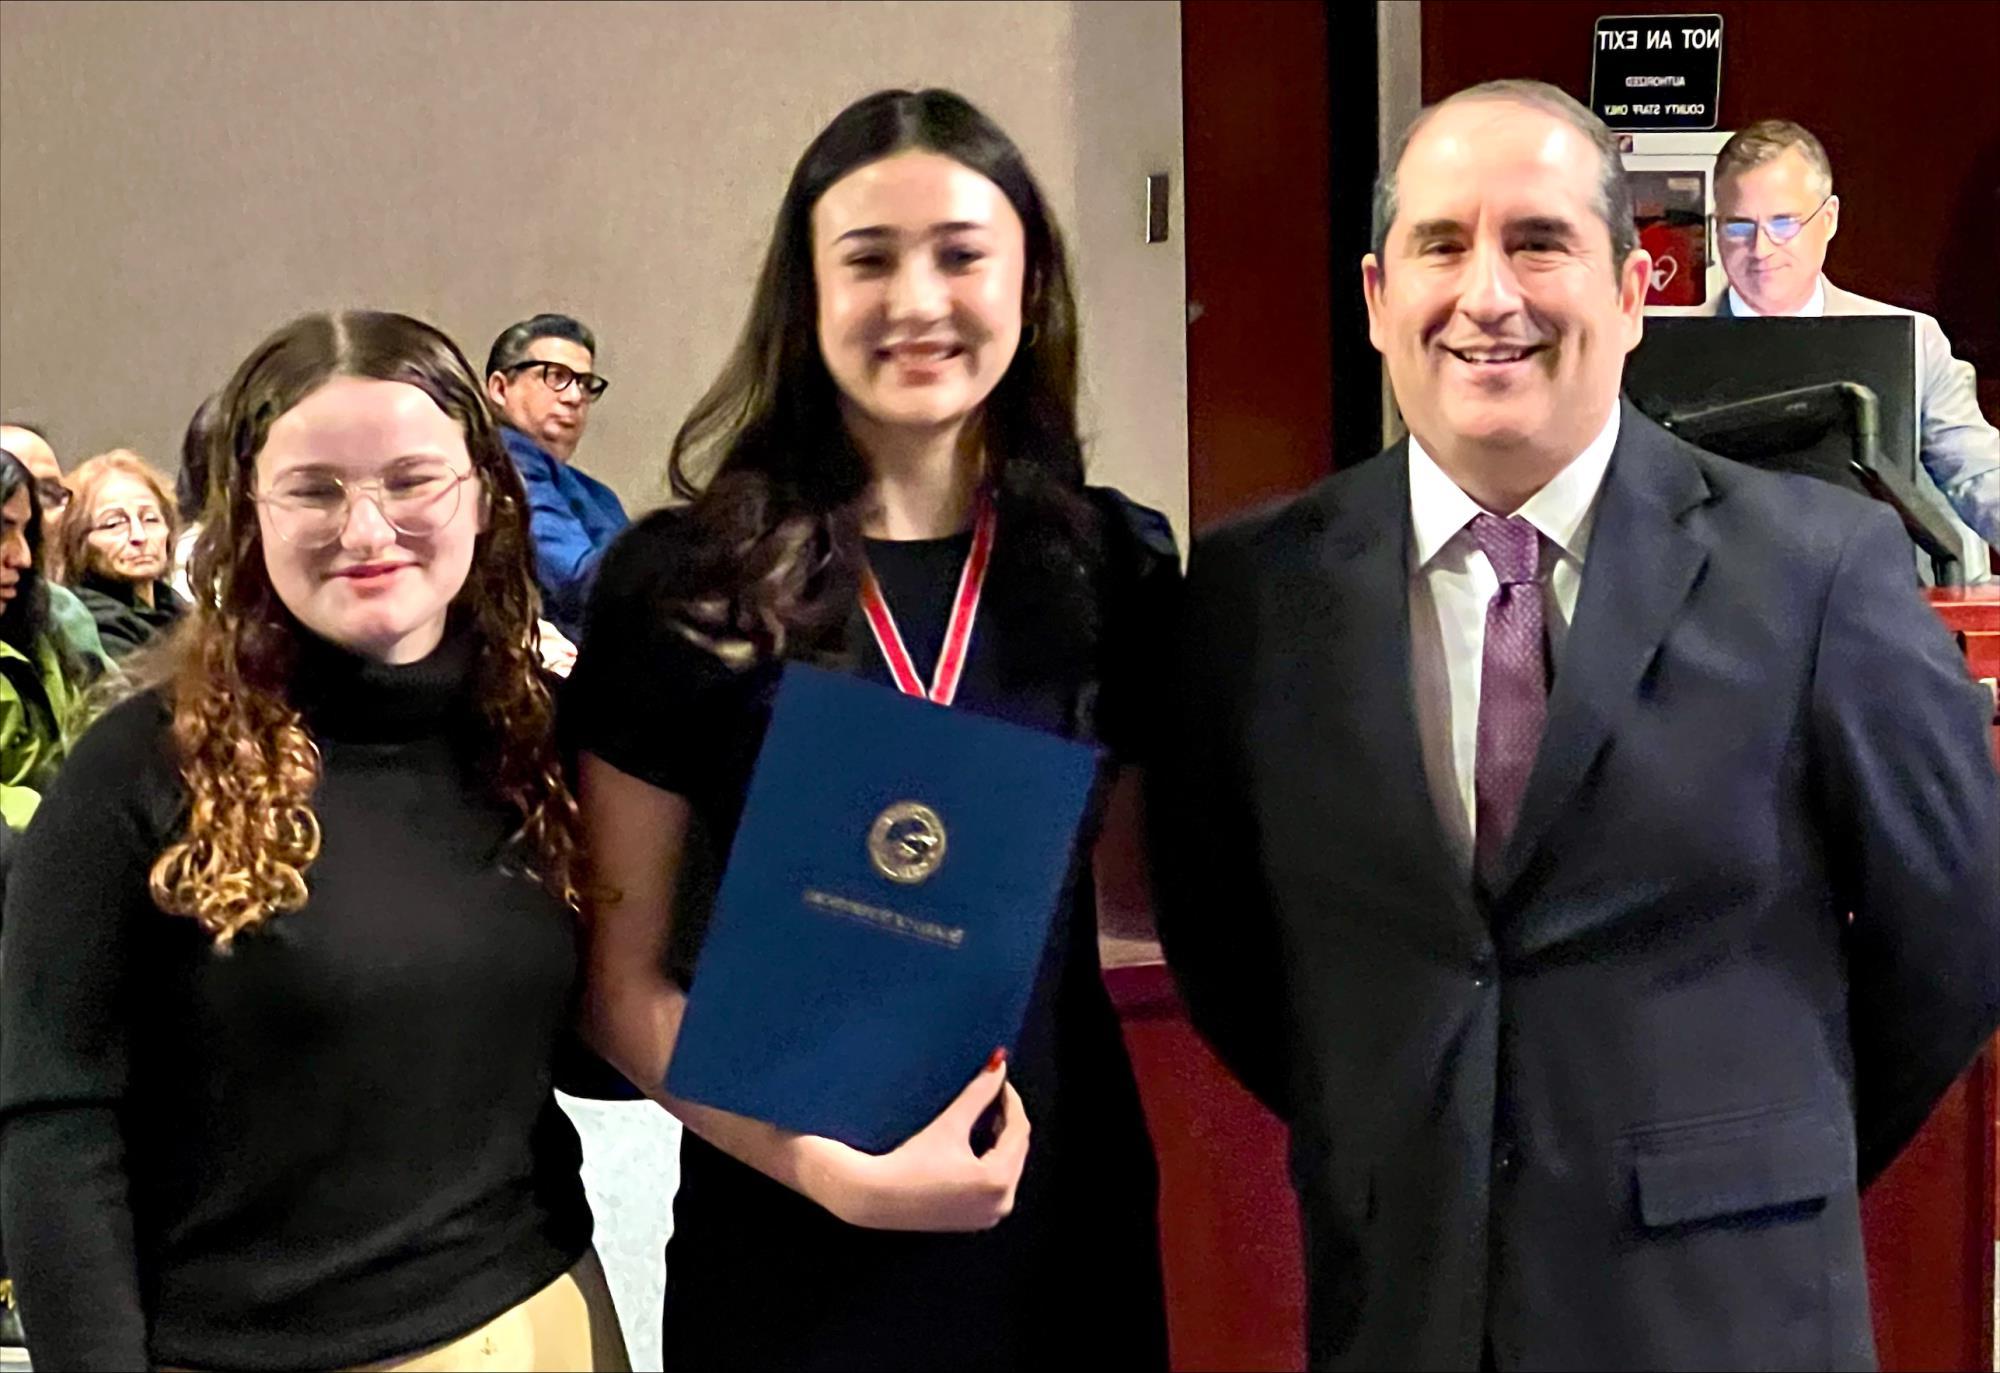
(1615, 1114)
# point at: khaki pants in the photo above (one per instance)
(567, 1327)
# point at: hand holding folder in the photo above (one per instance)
(935, 1181)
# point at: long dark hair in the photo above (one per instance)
(26, 621)
(248, 763)
(771, 564)
(191, 485)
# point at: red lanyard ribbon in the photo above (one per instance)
(958, 631)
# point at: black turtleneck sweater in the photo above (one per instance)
(333, 1145)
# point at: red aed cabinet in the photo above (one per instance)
(1229, 1225)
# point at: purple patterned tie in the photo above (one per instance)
(1513, 683)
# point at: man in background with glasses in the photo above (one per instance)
(539, 377)
(32, 447)
(1775, 213)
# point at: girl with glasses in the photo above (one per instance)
(275, 1062)
(116, 549)
(904, 390)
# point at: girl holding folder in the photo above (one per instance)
(886, 473)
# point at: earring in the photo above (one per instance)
(1030, 334)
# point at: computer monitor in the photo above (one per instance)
(1828, 431)
(1685, 364)
(1793, 395)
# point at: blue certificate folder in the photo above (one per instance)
(884, 911)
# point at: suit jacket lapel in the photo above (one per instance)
(1361, 578)
(1641, 564)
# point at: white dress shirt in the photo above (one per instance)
(1814, 308)
(1451, 585)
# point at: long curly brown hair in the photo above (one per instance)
(247, 758)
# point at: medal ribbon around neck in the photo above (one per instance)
(958, 631)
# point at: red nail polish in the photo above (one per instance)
(999, 1057)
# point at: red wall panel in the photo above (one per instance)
(1255, 133)
(1906, 98)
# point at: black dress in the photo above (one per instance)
(758, 1275)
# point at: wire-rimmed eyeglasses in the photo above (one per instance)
(310, 509)
(1741, 232)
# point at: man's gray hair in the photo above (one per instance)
(1769, 139)
(1614, 192)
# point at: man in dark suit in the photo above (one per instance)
(1523, 782)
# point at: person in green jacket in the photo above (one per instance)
(45, 663)
(49, 652)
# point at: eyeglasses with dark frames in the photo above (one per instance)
(559, 378)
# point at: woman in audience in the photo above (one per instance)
(908, 371)
(291, 945)
(45, 663)
(115, 548)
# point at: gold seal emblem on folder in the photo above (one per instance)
(906, 843)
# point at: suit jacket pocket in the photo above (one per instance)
(1781, 1158)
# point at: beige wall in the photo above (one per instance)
(1134, 294)
(178, 179)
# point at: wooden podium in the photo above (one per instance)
(1930, 1220)
(1229, 1224)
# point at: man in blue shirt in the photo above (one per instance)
(539, 378)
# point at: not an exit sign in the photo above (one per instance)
(1657, 71)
